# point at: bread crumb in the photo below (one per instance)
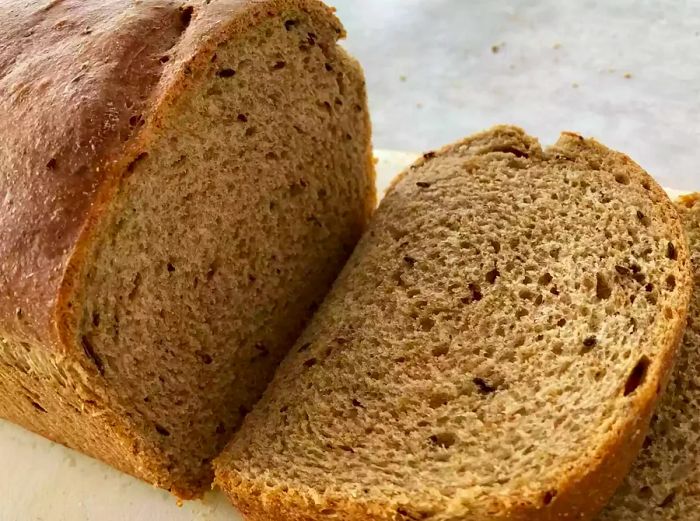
(574, 85)
(402, 78)
(556, 46)
(495, 49)
(628, 75)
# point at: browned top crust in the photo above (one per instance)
(82, 87)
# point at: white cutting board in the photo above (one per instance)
(44, 481)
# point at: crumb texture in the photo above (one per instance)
(219, 243)
(664, 484)
(509, 310)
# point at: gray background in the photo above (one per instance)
(625, 72)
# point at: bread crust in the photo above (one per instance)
(588, 484)
(84, 89)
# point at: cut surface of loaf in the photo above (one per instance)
(492, 350)
(664, 484)
(196, 175)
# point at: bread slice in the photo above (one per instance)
(180, 184)
(664, 483)
(492, 350)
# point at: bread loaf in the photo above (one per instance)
(180, 182)
(493, 349)
(664, 483)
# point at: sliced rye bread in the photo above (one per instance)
(664, 484)
(493, 349)
(180, 184)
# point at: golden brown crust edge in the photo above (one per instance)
(588, 486)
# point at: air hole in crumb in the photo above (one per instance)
(290, 24)
(649, 287)
(213, 268)
(549, 496)
(492, 275)
(226, 73)
(646, 185)
(441, 350)
(51, 165)
(545, 279)
(496, 246)
(520, 313)
(310, 362)
(90, 353)
(443, 439)
(671, 282)
(206, 358)
(645, 492)
(96, 319)
(279, 65)
(476, 292)
(636, 377)
(526, 294)
(603, 290)
(639, 277)
(590, 342)
(242, 118)
(667, 500)
(623, 179)
(164, 59)
(671, 251)
(171, 268)
(262, 349)
(561, 322)
(426, 323)
(409, 260)
(423, 184)
(186, 15)
(483, 386)
(303, 347)
(643, 218)
(38, 407)
(162, 430)
(250, 131)
(622, 270)
(329, 67)
(357, 403)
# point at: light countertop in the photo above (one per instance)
(624, 71)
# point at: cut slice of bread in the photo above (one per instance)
(664, 484)
(180, 184)
(492, 350)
